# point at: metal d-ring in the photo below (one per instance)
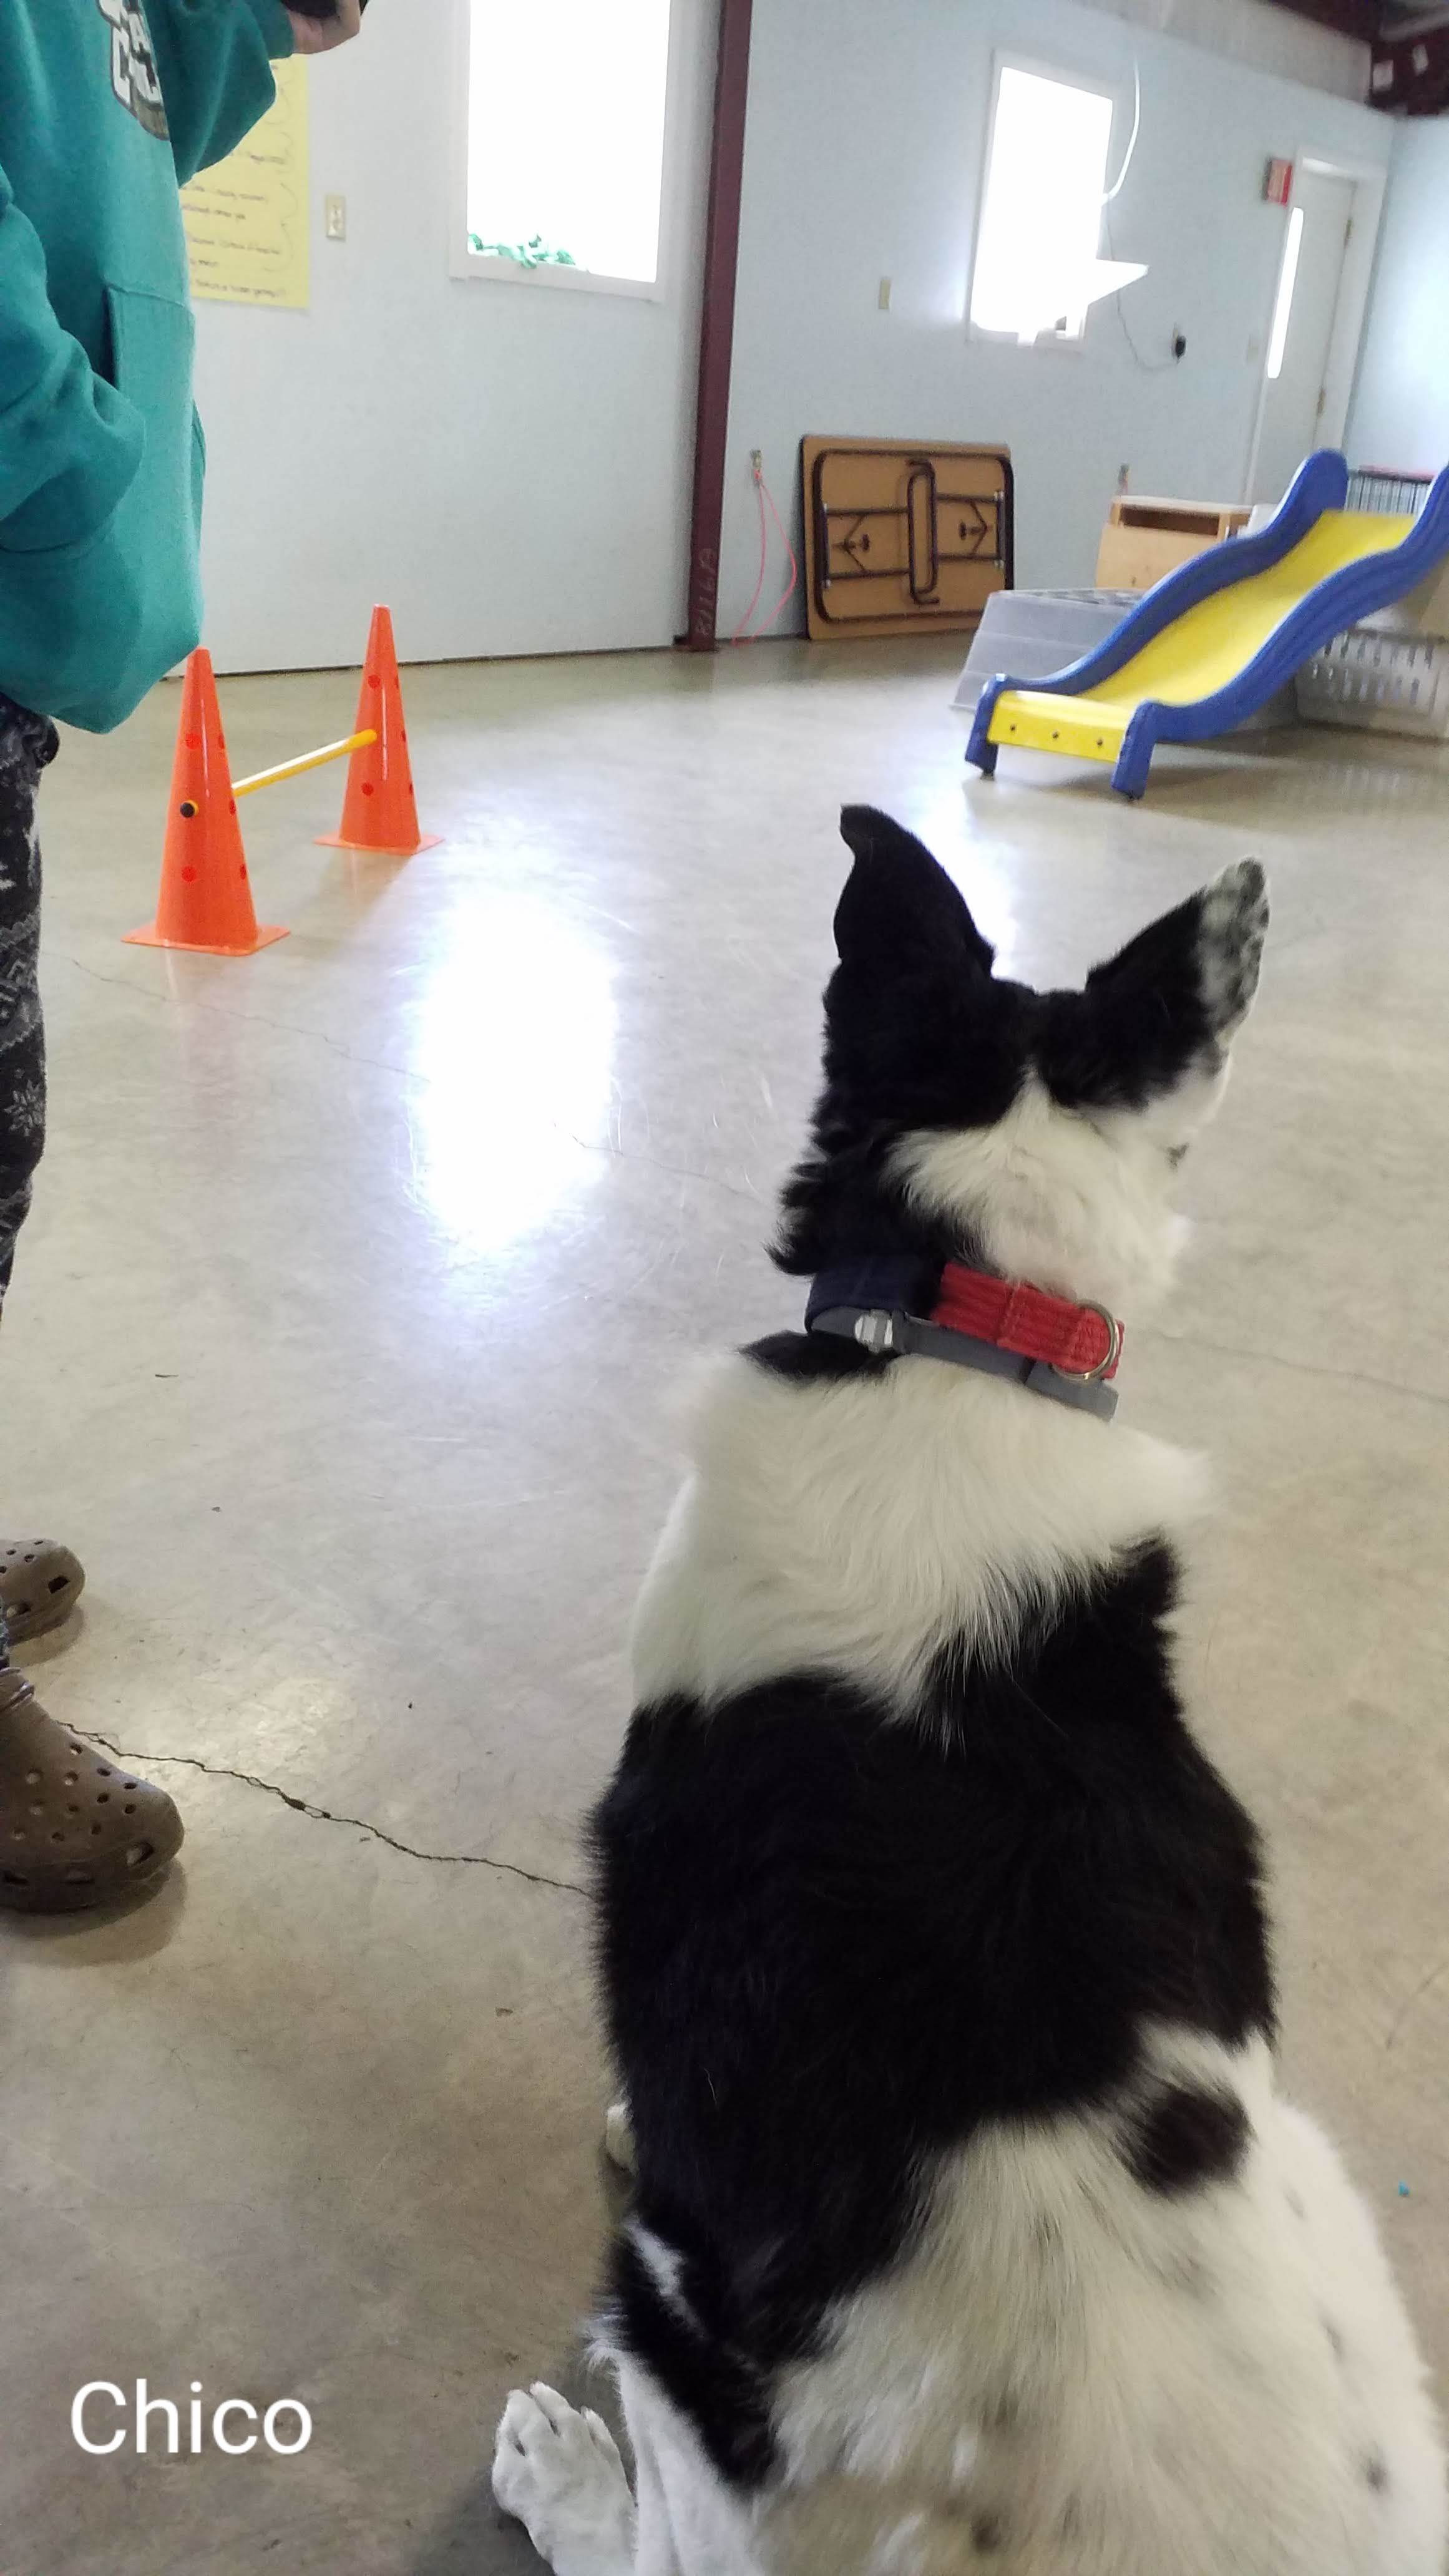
(1104, 1367)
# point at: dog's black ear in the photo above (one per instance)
(898, 903)
(1198, 966)
(1168, 1005)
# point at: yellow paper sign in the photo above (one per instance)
(246, 219)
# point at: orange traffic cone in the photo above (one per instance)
(206, 897)
(379, 810)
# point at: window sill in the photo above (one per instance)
(569, 281)
(1030, 349)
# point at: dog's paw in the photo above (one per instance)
(559, 2472)
(619, 2137)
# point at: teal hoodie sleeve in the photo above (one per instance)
(214, 58)
(69, 442)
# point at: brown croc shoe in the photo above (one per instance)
(75, 1828)
(40, 1584)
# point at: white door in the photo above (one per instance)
(1302, 334)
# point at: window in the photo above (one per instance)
(565, 147)
(1037, 268)
(1287, 286)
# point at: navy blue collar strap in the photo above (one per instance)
(899, 1307)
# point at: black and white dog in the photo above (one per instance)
(970, 2229)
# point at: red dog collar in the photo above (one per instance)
(1001, 1326)
(1077, 1341)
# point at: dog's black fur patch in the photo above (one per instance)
(920, 1034)
(834, 1945)
(808, 1357)
(723, 2391)
(1187, 2136)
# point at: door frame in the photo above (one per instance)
(1369, 182)
(717, 324)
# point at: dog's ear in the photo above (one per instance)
(898, 905)
(1158, 1018)
(1199, 963)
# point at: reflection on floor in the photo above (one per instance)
(340, 1346)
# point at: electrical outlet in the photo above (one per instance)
(757, 462)
(883, 295)
(334, 218)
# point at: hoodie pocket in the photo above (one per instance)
(86, 628)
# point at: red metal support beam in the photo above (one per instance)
(1358, 18)
(717, 322)
(1411, 74)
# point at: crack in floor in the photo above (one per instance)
(1191, 1339)
(1410, 2000)
(146, 1762)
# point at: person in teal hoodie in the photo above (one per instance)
(106, 108)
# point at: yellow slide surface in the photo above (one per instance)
(1202, 652)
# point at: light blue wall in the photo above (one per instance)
(864, 150)
(1400, 414)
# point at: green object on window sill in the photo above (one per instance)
(536, 253)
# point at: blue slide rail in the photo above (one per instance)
(1332, 605)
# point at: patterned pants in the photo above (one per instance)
(27, 742)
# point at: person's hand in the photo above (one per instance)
(319, 35)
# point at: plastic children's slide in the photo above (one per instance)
(1215, 640)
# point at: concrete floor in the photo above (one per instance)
(340, 1346)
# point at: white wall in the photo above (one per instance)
(1400, 414)
(864, 151)
(507, 466)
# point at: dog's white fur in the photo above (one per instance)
(1028, 2359)
(1133, 2448)
(1077, 1204)
(858, 1528)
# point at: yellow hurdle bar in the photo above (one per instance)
(304, 760)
